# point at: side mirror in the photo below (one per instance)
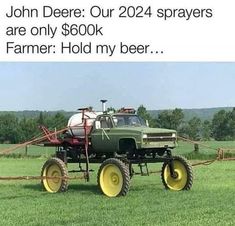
(97, 125)
(147, 123)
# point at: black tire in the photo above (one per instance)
(54, 167)
(113, 178)
(184, 175)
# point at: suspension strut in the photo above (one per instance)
(171, 164)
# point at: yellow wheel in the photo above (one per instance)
(54, 168)
(113, 178)
(183, 175)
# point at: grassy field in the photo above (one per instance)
(210, 202)
(33, 151)
(187, 149)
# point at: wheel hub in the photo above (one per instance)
(177, 175)
(114, 179)
(55, 174)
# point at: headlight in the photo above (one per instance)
(145, 136)
(173, 134)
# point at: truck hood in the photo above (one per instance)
(145, 129)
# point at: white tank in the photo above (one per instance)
(76, 124)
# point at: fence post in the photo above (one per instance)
(196, 148)
(26, 150)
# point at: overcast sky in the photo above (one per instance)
(68, 86)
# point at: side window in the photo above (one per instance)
(105, 122)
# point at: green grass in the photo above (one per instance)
(210, 202)
(184, 147)
(32, 151)
(187, 149)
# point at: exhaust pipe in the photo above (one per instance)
(103, 105)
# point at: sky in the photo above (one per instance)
(69, 86)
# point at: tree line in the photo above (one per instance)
(14, 130)
(221, 127)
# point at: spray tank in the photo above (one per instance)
(76, 121)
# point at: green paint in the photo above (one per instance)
(107, 139)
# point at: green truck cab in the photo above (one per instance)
(124, 133)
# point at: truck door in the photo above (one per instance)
(102, 137)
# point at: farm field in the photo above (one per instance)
(210, 202)
(33, 151)
(207, 151)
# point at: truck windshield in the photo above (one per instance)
(128, 120)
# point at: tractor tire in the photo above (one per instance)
(184, 175)
(54, 167)
(113, 178)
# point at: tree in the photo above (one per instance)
(59, 120)
(206, 130)
(177, 118)
(41, 119)
(111, 109)
(171, 119)
(28, 129)
(194, 127)
(9, 128)
(165, 119)
(143, 113)
(231, 123)
(221, 125)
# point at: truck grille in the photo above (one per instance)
(157, 137)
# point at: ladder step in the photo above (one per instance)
(142, 166)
